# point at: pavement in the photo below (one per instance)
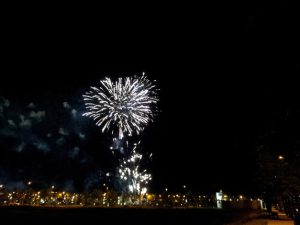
(280, 222)
(283, 220)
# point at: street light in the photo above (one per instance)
(280, 157)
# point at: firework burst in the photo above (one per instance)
(126, 105)
(131, 175)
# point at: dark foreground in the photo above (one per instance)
(54, 216)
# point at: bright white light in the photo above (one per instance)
(131, 175)
(125, 105)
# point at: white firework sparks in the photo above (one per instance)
(126, 104)
(129, 173)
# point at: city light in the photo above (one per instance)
(111, 198)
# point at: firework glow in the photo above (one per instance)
(131, 175)
(125, 105)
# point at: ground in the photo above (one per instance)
(99, 216)
(264, 220)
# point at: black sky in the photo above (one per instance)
(225, 71)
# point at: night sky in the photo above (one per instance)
(226, 74)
